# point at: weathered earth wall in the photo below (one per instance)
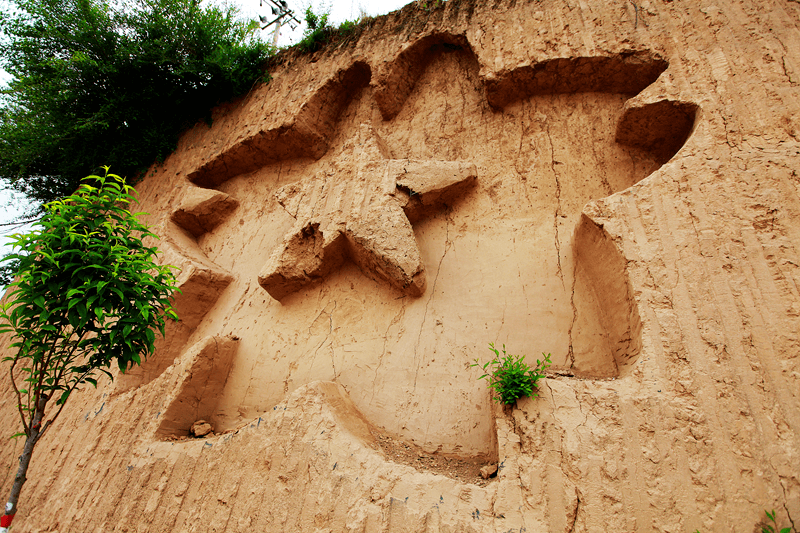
(614, 183)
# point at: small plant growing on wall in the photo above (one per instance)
(317, 32)
(773, 527)
(767, 527)
(510, 377)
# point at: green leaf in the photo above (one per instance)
(151, 337)
(63, 398)
(511, 378)
(73, 292)
(65, 272)
(78, 106)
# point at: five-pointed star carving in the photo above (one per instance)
(360, 210)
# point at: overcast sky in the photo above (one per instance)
(340, 10)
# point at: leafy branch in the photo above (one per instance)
(104, 82)
(88, 294)
(510, 377)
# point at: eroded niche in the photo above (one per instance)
(307, 135)
(200, 387)
(509, 258)
(607, 328)
(201, 281)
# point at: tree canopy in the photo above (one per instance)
(100, 82)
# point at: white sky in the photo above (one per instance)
(340, 10)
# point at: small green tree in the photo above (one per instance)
(88, 294)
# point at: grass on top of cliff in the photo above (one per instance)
(319, 33)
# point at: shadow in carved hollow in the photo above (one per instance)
(200, 281)
(660, 127)
(608, 329)
(207, 366)
(307, 135)
(395, 82)
(626, 73)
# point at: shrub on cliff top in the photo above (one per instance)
(103, 82)
(319, 33)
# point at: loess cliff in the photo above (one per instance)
(616, 183)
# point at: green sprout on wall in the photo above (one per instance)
(510, 377)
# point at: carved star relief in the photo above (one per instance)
(361, 210)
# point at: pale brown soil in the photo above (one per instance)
(464, 469)
(666, 292)
(467, 470)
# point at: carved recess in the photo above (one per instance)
(605, 333)
(205, 372)
(308, 134)
(625, 73)
(361, 207)
(362, 216)
(201, 210)
(602, 283)
(394, 83)
(660, 126)
(200, 281)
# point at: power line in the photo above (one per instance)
(280, 10)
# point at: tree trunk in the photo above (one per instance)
(24, 462)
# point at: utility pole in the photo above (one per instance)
(280, 10)
(276, 33)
